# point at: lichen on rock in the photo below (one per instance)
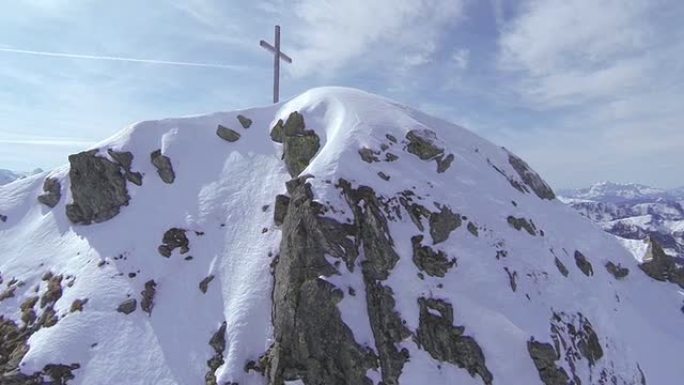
(98, 188)
(128, 306)
(174, 238)
(52, 192)
(299, 144)
(245, 122)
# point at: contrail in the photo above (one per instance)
(122, 59)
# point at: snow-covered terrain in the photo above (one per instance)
(7, 176)
(336, 238)
(634, 212)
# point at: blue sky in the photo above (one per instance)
(584, 90)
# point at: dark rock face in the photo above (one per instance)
(204, 284)
(522, 223)
(442, 223)
(53, 192)
(422, 144)
(125, 160)
(368, 155)
(3, 218)
(299, 145)
(561, 267)
(227, 134)
(446, 342)
(617, 271)
(433, 263)
(128, 306)
(98, 188)
(218, 344)
(312, 342)
(163, 165)
(174, 238)
(245, 122)
(531, 178)
(583, 264)
(544, 357)
(280, 211)
(661, 266)
(147, 301)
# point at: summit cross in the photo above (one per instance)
(277, 56)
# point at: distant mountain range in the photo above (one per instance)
(8, 176)
(634, 211)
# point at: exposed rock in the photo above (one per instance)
(531, 178)
(227, 134)
(218, 344)
(544, 357)
(128, 306)
(416, 212)
(443, 163)
(442, 223)
(522, 223)
(445, 342)
(312, 343)
(389, 157)
(78, 304)
(204, 284)
(277, 132)
(472, 229)
(53, 291)
(383, 176)
(125, 160)
(3, 218)
(422, 144)
(163, 165)
(245, 122)
(28, 314)
(368, 155)
(53, 192)
(280, 211)
(435, 264)
(98, 189)
(561, 267)
(174, 238)
(661, 266)
(299, 145)
(583, 264)
(617, 271)
(391, 138)
(512, 279)
(147, 300)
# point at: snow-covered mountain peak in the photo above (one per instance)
(335, 238)
(615, 192)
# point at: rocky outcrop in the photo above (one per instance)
(368, 155)
(52, 192)
(245, 122)
(422, 143)
(522, 223)
(561, 267)
(218, 345)
(447, 343)
(280, 211)
(312, 343)
(442, 223)
(531, 178)
(617, 271)
(433, 263)
(163, 165)
(98, 188)
(299, 144)
(147, 296)
(128, 306)
(544, 357)
(174, 238)
(661, 266)
(125, 160)
(227, 134)
(583, 264)
(204, 283)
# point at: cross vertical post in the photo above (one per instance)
(277, 56)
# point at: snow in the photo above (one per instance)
(220, 190)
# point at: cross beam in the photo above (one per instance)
(277, 56)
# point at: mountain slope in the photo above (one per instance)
(633, 212)
(336, 238)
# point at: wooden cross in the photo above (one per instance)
(277, 56)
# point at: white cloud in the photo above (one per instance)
(330, 35)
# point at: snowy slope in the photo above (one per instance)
(506, 287)
(7, 176)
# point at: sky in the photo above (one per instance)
(584, 90)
